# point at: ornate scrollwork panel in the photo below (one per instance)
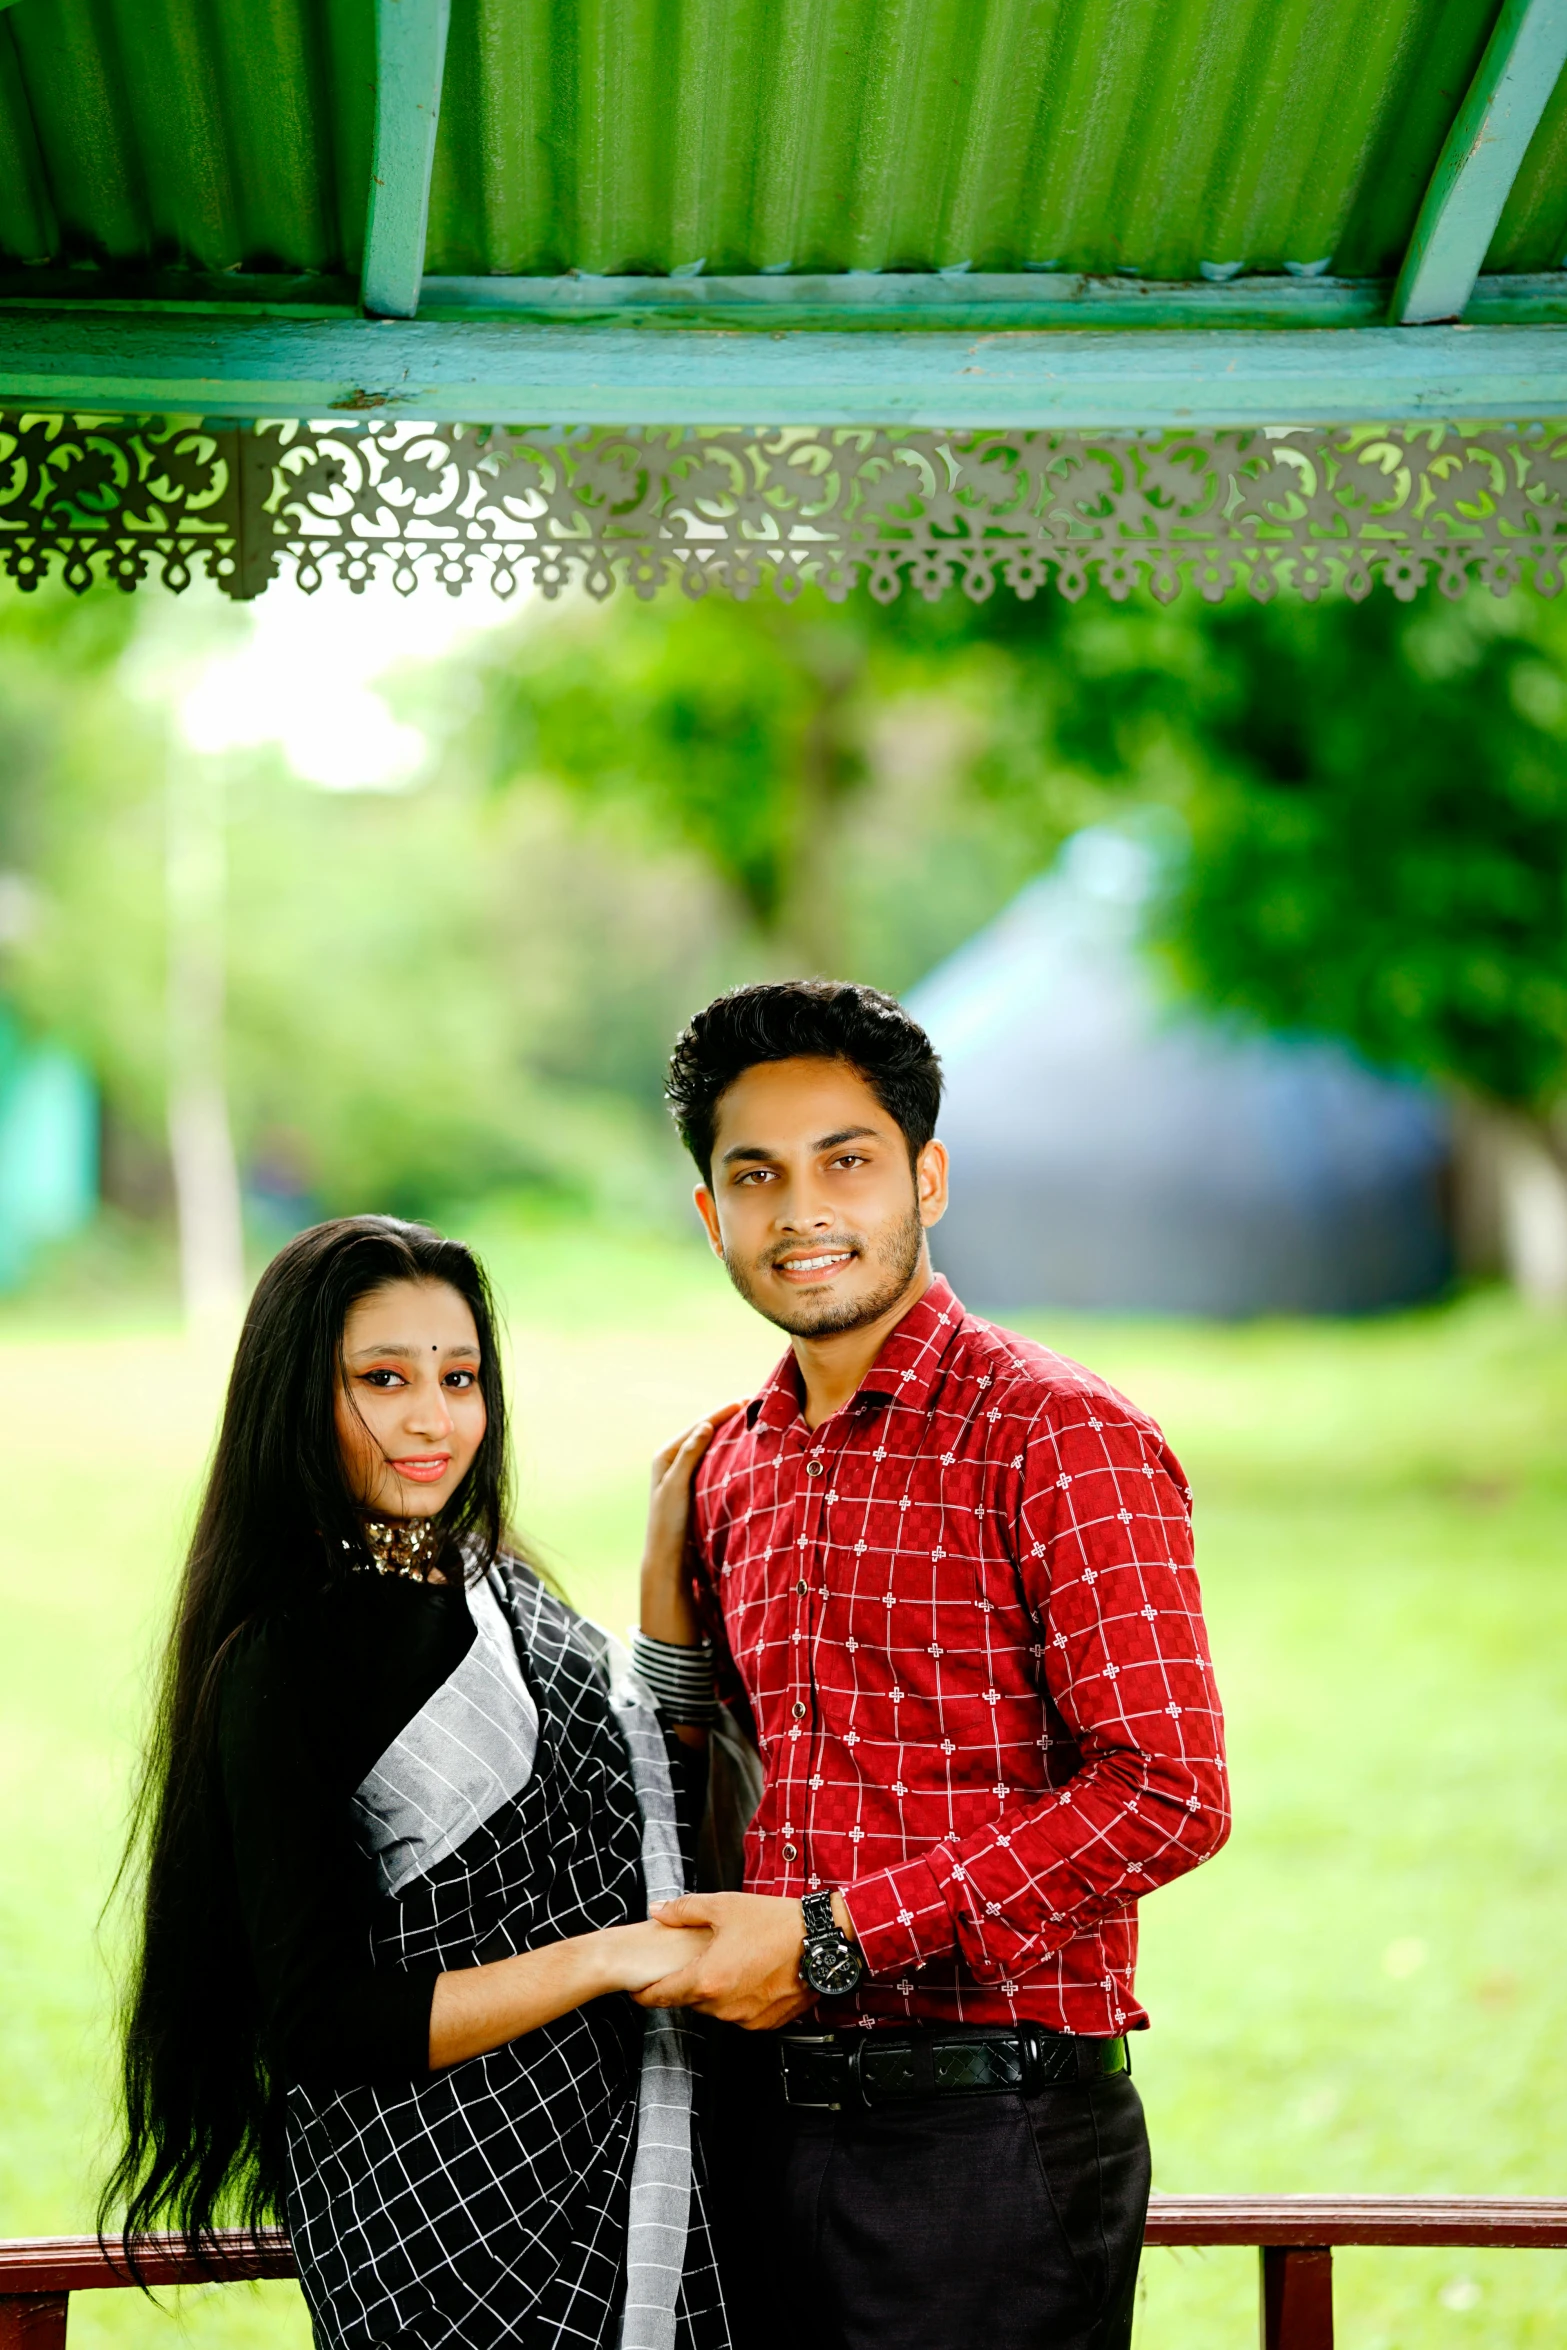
(1319, 512)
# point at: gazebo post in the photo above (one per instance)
(1297, 2297)
(33, 2321)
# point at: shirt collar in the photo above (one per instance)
(904, 1372)
(779, 1401)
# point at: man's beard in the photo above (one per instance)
(895, 1258)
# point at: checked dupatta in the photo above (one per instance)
(544, 2193)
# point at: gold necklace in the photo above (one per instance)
(409, 1547)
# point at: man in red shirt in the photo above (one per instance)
(947, 1577)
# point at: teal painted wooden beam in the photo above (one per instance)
(478, 372)
(974, 302)
(410, 66)
(1480, 160)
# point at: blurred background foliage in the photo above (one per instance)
(450, 990)
(621, 809)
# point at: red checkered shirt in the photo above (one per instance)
(964, 1616)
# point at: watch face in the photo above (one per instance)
(831, 1968)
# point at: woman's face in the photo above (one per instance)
(410, 1411)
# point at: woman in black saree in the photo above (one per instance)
(403, 1816)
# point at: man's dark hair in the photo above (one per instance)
(792, 1019)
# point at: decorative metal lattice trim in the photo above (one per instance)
(122, 499)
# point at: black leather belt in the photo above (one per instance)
(834, 2070)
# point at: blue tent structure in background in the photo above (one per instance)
(48, 1148)
(1116, 1150)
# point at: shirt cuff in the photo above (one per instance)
(679, 1678)
(900, 1918)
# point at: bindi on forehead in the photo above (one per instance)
(405, 1349)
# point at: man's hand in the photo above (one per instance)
(749, 1972)
(667, 1613)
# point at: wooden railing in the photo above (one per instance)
(1296, 2235)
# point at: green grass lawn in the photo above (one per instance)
(1363, 1993)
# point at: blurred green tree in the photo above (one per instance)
(738, 728)
(1376, 795)
(749, 732)
(1376, 799)
(1379, 842)
(429, 993)
(59, 664)
(1375, 804)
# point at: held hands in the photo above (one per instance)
(667, 1613)
(477, 2008)
(634, 1957)
(746, 1969)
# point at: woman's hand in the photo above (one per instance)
(478, 2008)
(640, 1955)
(667, 1612)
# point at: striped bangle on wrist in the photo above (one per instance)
(680, 1679)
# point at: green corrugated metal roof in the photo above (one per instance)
(1256, 202)
(1143, 135)
(204, 134)
(615, 136)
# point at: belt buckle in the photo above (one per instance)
(821, 2043)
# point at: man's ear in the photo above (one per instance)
(930, 1183)
(708, 1212)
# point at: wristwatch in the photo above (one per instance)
(830, 1964)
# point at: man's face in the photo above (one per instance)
(813, 1205)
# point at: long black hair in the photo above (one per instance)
(203, 2141)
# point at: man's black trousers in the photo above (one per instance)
(993, 2222)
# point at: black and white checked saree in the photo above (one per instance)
(545, 2193)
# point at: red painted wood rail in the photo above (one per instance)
(1295, 2233)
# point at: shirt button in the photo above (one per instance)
(799, 1709)
(802, 1587)
(790, 1853)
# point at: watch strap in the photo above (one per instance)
(820, 1924)
(830, 1965)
